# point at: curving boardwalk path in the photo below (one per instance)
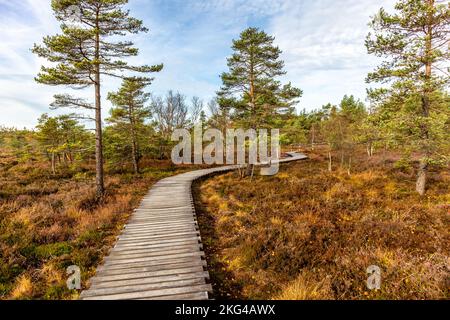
(159, 254)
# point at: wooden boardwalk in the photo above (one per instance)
(159, 255)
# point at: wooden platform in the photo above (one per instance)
(159, 255)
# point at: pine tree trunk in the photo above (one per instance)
(240, 172)
(253, 172)
(349, 171)
(249, 169)
(98, 142)
(99, 178)
(135, 159)
(423, 166)
(53, 164)
(329, 162)
(134, 152)
(369, 148)
(134, 143)
(422, 178)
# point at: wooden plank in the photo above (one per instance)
(168, 214)
(157, 254)
(165, 215)
(144, 287)
(156, 242)
(160, 231)
(143, 275)
(156, 208)
(151, 293)
(165, 206)
(164, 250)
(164, 235)
(104, 283)
(149, 263)
(158, 245)
(167, 220)
(141, 253)
(163, 228)
(158, 224)
(175, 236)
(117, 261)
(186, 296)
(155, 268)
(143, 233)
(151, 254)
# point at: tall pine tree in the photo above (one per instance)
(250, 87)
(415, 44)
(86, 51)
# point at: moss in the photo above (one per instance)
(89, 237)
(56, 292)
(53, 250)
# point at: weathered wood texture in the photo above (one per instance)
(159, 254)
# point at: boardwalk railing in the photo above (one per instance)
(159, 255)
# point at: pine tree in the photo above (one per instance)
(250, 87)
(220, 117)
(353, 110)
(253, 68)
(130, 113)
(330, 130)
(61, 138)
(85, 52)
(352, 113)
(415, 44)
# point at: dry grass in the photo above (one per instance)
(48, 223)
(309, 234)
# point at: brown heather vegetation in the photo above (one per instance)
(48, 223)
(310, 234)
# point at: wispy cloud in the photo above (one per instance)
(323, 45)
(22, 23)
(322, 41)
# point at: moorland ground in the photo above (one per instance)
(49, 222)
(307, 233)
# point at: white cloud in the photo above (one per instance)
(21, 99)
(323, 44)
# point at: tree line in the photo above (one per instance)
(408, 113)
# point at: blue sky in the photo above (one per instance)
(322, 43)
